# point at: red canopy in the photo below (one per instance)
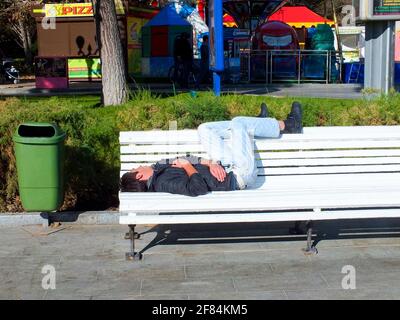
(298, 17)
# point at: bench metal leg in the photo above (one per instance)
(132, 236)
(310, 249)
(135, 235)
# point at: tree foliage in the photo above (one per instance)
(16, 19)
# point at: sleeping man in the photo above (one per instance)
(231, 165)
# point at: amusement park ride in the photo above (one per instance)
(379, 17)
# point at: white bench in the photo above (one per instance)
(326, 173)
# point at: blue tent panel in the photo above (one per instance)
(167, 17)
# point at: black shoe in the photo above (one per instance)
(264, 111)
(293, 122)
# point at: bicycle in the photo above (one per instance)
(178, 76)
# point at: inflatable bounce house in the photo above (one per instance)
(315, 65)
(277, 35)
(158, 37)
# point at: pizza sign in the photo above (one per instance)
(71, 10)
(65, 10)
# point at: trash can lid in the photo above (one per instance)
(39, 133)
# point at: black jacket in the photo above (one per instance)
(205, 55)
(175, 180)
(183, 49)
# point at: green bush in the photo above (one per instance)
(92, 147)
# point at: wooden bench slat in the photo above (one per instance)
(391, 180)
(310, 170)
(307, 154)
(163, 149)
(262, 145)
(155, 136)
(257, 194)
(185, 136)
(276, 155)
(259, 217)
(266, 163)
(327, 161)
(156, 157)
(253, 201)
(329, 169)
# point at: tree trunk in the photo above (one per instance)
(26, 43)
(30, 35)
(115, 87)
(21, 33)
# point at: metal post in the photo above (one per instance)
(266, 67)
(249, 67)
(271, 66)
(217, 83)
(299, 71)
(310, 249)
(379, 55)
(341, 69)
(216, 30)
(327, 67)
(338, 36)
(330, 66)
(132, 255)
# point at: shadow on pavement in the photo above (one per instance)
(272, 232)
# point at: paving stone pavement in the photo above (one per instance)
(254, 261)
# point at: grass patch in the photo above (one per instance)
(92, 157)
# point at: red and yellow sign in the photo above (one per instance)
(65, 10)
(68, 10)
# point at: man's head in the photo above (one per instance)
(136, 179)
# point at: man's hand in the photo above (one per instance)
(180, 163)
(185, 165)
(217, 171)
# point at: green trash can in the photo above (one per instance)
(39, 153)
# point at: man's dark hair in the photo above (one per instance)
(129, 183)
(205, 38)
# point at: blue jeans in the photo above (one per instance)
(238, 155)
(203, 74)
